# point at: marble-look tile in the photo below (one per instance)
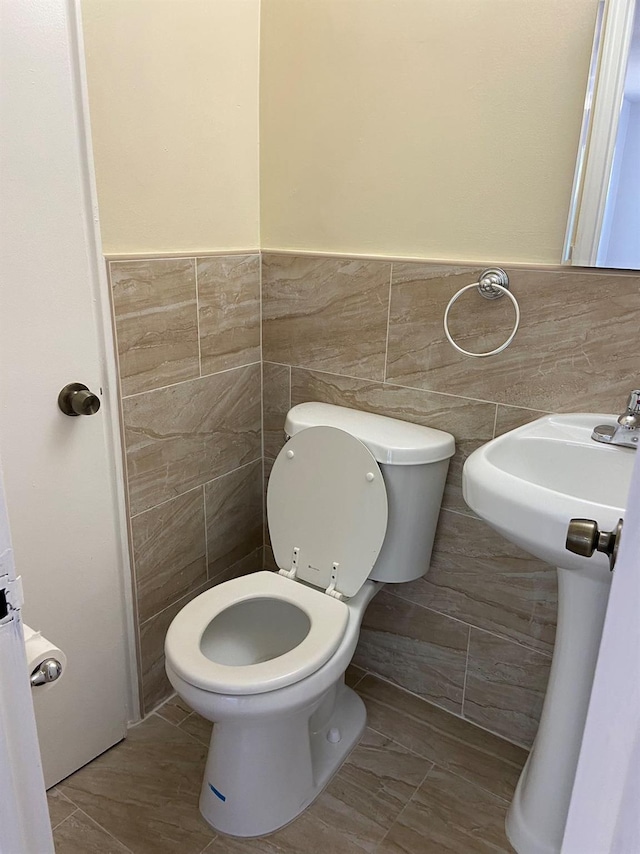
(276, 397)
(470, 422)
(510, 417)
(505, 686)
(417, 649)
(453, 743)
(198, 728)
(353, 675)
(60, 807)
(79, 834)
(267, 465)
(448, 814)
(156, 321)
(482, 579)
(155, 684)
(234, 516)
(245, 566)
(229, 311)
(145, 792)
(569, 337)
(180, 437)
(356, 809)
(269, 559)
(169, 552)
(175, 710)
(326, 313)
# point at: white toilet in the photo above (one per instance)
(353, 499)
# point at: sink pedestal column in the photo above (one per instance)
(538, 813)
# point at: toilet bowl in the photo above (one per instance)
(353, 501)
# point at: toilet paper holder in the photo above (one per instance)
(47, 671)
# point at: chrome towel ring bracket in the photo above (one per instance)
(493, 284)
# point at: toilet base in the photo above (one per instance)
(261, 775)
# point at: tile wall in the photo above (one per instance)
(476, 634)
(188, 343)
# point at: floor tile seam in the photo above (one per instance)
(88, 815)
(473, 783)
(209, 844)
(405, 807)
(156, 712)
(495, 634)
(400, 744)
(466, 673)
(76, 809)
(191, 736)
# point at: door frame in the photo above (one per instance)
(99, 286)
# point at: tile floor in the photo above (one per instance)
(421, 781)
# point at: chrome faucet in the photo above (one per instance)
(627, 431)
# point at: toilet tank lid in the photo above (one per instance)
(391, 441)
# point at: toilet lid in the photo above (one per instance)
(327, 498)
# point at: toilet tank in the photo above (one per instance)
(414, 461)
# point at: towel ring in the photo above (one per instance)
(491, 286)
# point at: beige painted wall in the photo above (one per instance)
(173, 88)
(428, 128)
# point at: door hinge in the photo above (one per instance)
(11, 596)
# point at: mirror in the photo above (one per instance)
(604, 220)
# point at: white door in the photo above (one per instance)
(24, 818)
(61, 473)
(604, 817)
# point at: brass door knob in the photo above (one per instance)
(76, 399)
(584, 538)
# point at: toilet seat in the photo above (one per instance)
(327, 617)
(327, 510)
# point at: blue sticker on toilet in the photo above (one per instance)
(217, 793)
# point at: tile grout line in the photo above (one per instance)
(497, 735)
(75, 809)
(495, 421)
(197, 486)
(195, 273)
(115, 838)
(206, 530)
(200, 589)
(444, 767)
(503, 637)
(466, 672)
(191, 380)
(443, 394)
(405, 806)
(97, 824)
(124, 455)
(386, 346)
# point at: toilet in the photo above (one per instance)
(353, 502)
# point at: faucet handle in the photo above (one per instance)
(630, 420)
(633, 404)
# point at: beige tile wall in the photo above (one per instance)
(188, 342)
(476, 634)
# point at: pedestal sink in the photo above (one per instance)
(527, 485)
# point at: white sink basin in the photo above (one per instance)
(528, 484)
